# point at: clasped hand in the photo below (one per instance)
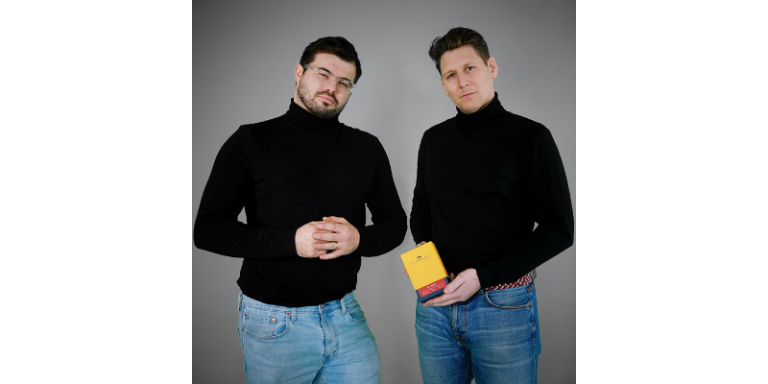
(336, 234)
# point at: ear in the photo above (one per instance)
(494, 67)
(298, 70)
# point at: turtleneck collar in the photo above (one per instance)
(303, 119)
(483, 117)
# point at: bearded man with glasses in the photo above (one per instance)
(304, 180)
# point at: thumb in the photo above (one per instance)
(451, 287)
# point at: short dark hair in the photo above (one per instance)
(335, 45)
(456, 38)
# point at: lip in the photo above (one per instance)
(327, 99)
(467, 95)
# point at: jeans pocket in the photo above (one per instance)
(263, 325)
(356, 313)
(510, 298)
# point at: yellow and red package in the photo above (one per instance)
(426, 270)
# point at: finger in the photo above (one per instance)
(324, 226)
(335, 219)
(316, 223)
(328, 226)
(444, 299)
(326, 236)
(405, 271)
(449, 298)
(315, 253)
(332, 255)
(453, 286)
(326, 246)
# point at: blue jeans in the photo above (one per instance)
(493, 337)
(328, 343)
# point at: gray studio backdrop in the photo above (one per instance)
(243, 58)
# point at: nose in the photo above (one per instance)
(332, 85)
(463, 80)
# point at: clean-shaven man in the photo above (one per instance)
(304, 179)
(485, 178)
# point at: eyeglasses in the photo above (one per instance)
(325, 77)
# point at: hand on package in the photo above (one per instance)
(461, 288)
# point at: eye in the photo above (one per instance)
(450, 76)
(470, 68)
(322, 75)
(343, 84)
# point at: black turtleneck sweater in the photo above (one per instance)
(483, 180)
(286, 172)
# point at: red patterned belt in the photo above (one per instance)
(525, 280)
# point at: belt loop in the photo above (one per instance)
(343, 306)
(293, 314)
(240, 301)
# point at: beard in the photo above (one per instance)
(317, 107)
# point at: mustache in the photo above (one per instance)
(328, 94)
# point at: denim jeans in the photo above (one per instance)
(328, 343)
(492, 336)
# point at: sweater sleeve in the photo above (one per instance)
(552, 211)
(421, 211)
(217, 228)
(387, 214)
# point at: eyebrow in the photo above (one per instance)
(343, 78)
(470, 63)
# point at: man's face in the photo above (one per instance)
(467, 80)
(322, 100)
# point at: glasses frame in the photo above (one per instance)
(333, 78)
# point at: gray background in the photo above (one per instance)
(243, 57)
